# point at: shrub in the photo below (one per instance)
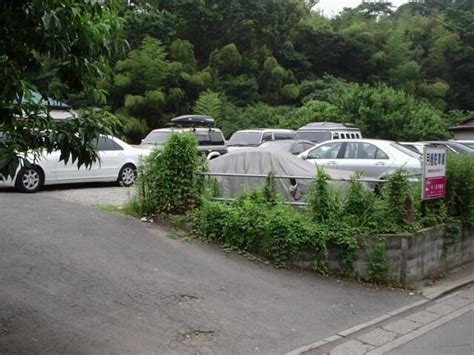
(460, 186)
(167, 178)
(286, 231)
(260, 222)
(377, 267)
(323, 198)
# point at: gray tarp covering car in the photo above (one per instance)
(263, 161)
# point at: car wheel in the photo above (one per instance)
(29, 179)
(127, 175)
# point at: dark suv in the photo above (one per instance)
(211, 140)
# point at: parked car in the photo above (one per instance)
(118, 162)
(454, 147)
(253, 137)
(211, 140)
(373, 157)
(295, 147)
(319, 132)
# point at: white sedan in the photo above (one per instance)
(118, 162)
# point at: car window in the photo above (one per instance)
(203, 138)
(267, 137)
(317, 137)
(358, 150)
(325, 151)
(406, 150)
(107, 144)
(156, 137)
(245, 139)
(216, 138)
(283, 135)
(380, 154)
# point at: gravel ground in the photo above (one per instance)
(92, 195)
(86, 194)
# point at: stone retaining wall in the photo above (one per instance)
(411, 257)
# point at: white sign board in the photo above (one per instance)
(434, 173)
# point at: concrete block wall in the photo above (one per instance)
(410, 257)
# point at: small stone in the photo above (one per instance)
(144, 219)
(411, 294)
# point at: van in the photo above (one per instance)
(253, 137)
(319, 132)
(211, 141)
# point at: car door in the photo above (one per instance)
(367, 158)
(112, 158)
(67, 172)
(326, 155)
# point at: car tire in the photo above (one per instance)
(29, 179)
(127, 175)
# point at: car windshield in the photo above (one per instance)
(157, 137)
(316, 137)
(460, 148)
(244, 139)
(280, 144)
(406, 150)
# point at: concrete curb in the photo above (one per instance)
(430, 295)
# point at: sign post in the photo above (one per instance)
(434, 173)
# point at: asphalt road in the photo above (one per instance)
(75, 279)
(453, 338)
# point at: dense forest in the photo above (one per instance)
(404, 74)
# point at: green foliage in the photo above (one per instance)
(270, 191)
(133, 128)
(209, 103)
(69, 43)
(377, 267)
(460, 186)
(259, 222)
(383, 112)
(167, 179)
(227, 60)
(397, 192)
(323, 198)
(397, 74)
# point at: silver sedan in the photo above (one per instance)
(374, 158)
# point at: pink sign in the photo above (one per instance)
(435, 187)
